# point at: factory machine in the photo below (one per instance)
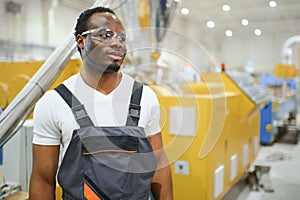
(211, 133)
(278, 113)
(278, 118)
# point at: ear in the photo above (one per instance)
(80, 41)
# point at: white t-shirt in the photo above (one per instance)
(54, 122)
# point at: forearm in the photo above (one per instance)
(43, 176)
(41, 189)
(161, 186)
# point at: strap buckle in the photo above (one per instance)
(79, 112)
(134, 110)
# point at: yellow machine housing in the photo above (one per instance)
(224, 141)
(285, 71)
(15, 75)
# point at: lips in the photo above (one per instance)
(115, 55)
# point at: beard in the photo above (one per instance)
(114, 67)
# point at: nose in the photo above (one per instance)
(115, 41)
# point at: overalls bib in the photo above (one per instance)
(107, 163)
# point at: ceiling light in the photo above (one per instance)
(245, 22)
(257, 31)
(228, 33)
(185, 11)
(226, 8)
(210, 24)
(272, 4)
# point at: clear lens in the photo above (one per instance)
(106, 35)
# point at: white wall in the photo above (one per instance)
(264, 50)
(37, 19)
(40, 22)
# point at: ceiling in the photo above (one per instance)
(285, 18)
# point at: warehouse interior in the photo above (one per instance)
(225, 72)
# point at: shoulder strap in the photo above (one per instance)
(78, 109)
(134, 106)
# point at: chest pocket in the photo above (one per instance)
(107, 163)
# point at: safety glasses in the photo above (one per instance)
(105, 35)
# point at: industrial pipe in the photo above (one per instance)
(23, 103)
(286, 53)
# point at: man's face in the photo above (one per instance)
(103, 44)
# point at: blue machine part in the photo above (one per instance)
(266, 137)
(267, 80)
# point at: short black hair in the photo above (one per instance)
(84, 17)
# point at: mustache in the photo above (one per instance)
(116, 53)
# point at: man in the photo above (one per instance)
(105, 94)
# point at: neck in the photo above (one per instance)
(104, 83)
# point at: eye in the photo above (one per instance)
(122, 37)
(109, 34)
(103, 33)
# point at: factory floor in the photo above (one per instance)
(284, 174)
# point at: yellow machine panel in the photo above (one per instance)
(15, 75)
(211, 136)
(285, 71)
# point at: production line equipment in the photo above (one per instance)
(211, 132)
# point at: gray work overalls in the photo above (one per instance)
(107, 163)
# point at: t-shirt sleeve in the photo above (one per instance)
(45, 128)
(153, 119)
